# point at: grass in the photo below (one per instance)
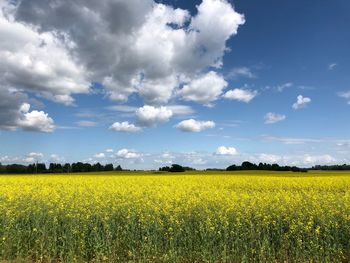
(245, 216)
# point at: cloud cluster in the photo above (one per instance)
(138, 46)
(38, 62)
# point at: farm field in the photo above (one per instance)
(188, 217)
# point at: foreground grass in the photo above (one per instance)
(195, 217)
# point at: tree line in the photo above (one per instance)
(78, 167)
(264, 167)
(174, 168)
(343, 167)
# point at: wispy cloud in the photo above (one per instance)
(241, 72)
(332, 66)
(85, 123)
(345, 95)
(288, 140)
(271, 117)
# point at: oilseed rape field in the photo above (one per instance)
(187, 217)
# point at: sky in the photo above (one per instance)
(145, 83)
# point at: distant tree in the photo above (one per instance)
(249, 166)
(109, 167)
(264, 166)
(66, 168)
(175, 168)
(41, 167)
(232, 167)
(187, 168)
(164, 169)
(118, 168)
(97, 167)
(16, 169)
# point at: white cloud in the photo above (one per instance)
(8, 159)
(345, 95)
(301, 102)
(244, 95)
(287, 140)
(223, 150)
(269, 158)
(271, 118)
(282, 87)
(33, 157)
(35, 120)
(56, 158)
(99, 155)
(318, 159)
(204, 89)
(109, 150)
(181, 109)
(128, 154)
(239, 72)
(332, 66)
(38, 62)
(167, 155)
(86, 123)
(124, 127)
(192, 125)
(150, 116)
(123, 108)
(138, 46)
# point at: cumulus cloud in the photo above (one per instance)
(271, 118)
(204, 89)
(14, 113)
(127, 154)
(301, 102)
(244, 95)
(35, 120)
(38, 62)
(124, 126)
(136, 46)
(150, 116)
(223, 150)
(192, 125)
(10, 103)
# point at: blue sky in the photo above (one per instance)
(202, 83)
